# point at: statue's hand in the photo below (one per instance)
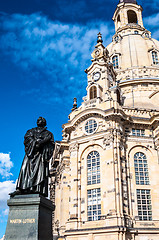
(38, 143)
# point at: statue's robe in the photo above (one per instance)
(33, 177)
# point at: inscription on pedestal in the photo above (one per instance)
(18, 221)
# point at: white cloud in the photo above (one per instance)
(151, 23)
(5, 212)
(5, 188)
(55, 50)
(152, 20)
(5, 165)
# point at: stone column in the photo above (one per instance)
(156, 138)
(118, 176)
(122, 193)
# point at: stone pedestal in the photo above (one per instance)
(30, 217)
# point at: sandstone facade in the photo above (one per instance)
(106, 185)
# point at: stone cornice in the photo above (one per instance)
(96, 63)
(129, 115)
(142, 116)
(138, 81)
(95, 112)
(130, 26)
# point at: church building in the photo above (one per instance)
(105, 172)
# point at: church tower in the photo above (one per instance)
(134, 55)
(105, 170)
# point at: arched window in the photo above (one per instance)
(118, 96)
(93, 168)
(132, 17)
(118, 21)
(155, 57)
(115, 61)
(118, 18)
(141, 169)
(93, 92)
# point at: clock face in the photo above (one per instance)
(96, 76)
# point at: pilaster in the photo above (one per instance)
(73, 204)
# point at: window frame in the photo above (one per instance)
(90, 119)
(155, 59)
(93, 92)
(147, 35)
(116, 61)
(141, 169)
(130, 15)
(138, 132)
(93, 168)
(144, 204)
(94, 208)
(136, 32)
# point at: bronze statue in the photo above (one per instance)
(34, 173)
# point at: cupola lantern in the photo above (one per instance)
(127, 12)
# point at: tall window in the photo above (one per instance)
(132, 17)
(118, 21)
(144, 204)
(118, 96)
(115, 61)
(141, 169)
(118, 18)
(94, 204)
(93, 168)
(155, 57)
(93, 92)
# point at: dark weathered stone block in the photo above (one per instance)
(30, 217)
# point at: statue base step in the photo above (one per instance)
(30, 217)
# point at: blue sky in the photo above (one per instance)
(45, 46)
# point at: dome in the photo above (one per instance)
(135, 57)
(135, 52)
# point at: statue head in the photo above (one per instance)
(41, 122)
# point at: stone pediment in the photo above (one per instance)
(95, 112)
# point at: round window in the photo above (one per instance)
(91, 126)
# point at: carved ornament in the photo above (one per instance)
(65, 136)
(56, 152)
(73, 147)
(108, 139)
